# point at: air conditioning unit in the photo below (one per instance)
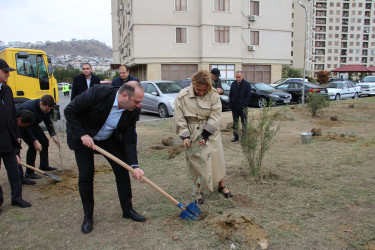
(252, 48)
(252, 17)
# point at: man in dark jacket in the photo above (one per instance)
(34, 135)
(83, 81)
(10, 138)
(239, 97)
(124, 76)
(105, 116)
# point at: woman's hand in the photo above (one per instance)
(187, 142)
(202, 142)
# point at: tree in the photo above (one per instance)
(322, 77)
(290, 72)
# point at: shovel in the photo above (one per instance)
(52, 176)
(191, 212)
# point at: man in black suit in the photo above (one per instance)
(106, 116)
(10, 138)
(239, 97)
(83, 81)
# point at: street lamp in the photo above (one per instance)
(304, 54)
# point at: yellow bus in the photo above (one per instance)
(33, 77)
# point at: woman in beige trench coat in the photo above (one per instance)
(197, 115)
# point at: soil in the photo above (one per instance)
(317, 196)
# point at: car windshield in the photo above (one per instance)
(336, 85)
(168, 87)
(225, 86)
(368, 79)
(263, 86)
(279, 81)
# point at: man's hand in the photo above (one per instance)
(187, 142)
(37, 146)
(56, 140)
(138, 173)
(88, 141)
(220, 91)
(202, 142)
(18, 160)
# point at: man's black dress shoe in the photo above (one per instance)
(32, 176)
(27, 181)
(48, 168)
(234, 139)
(21, 203)
(134, 216)
(87, 225)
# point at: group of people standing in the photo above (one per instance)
(106, 116)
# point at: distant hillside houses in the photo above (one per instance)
(98, 64)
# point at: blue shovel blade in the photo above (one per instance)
(191, 212)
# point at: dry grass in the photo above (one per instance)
(317, 196)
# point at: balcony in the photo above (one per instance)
(319, 67)
(345, 21)
(368, 6)
(321, 5)
(365, 45)
(344, 37)
(344, 45)
(365, 37)
(344, 29)
(366, 21)
(343, 60)
(320, 29)
(345, 14)
(321, 13)
(319, 44)
(320, 37)
(343, 52)
(320, 21)
(364, 60)
(364, 52)
(320, 52)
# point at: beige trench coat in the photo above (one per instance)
(193, 114)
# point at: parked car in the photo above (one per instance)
(226, 88)
(227, 80)
(262, 94)
(284, 80)
(341, 89)
(223, 98)
(367, 85)
(295, 89)
(159, 97)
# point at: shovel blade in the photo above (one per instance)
(52, 176)
(191, 212)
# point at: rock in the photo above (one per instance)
(351, 106)
(316, 132)
(229, 125)
(334, 118)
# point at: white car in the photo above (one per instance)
(367, 85)
(337, 90)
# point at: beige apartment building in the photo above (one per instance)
(339, 33)
(172, 39)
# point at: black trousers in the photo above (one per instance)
(31, 152)
(236, 114)
(11, 165)
(85, 162)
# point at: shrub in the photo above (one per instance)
(257, 137)
(316, 103)
(322, 77)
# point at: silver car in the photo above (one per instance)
(159, 97)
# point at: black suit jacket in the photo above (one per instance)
(80, 84)
(8, 121)
(87, 114)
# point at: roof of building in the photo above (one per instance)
(372, 68)
(352, 68)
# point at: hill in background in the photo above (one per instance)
(87, 48)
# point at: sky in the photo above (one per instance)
(55, 20)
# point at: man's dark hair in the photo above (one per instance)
(26, 116)
(47, 100)
(123, 65)
(129, 87)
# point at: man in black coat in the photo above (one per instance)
(124, 77)
(10, 138)
(239, 97)
(105, 116)
(83, 81)
(34, 135)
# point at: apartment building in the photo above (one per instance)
(172, 39)
(338, 32)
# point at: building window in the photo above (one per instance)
(221, 5)
(226, 70)
(254, 37)
(221, 34)
(254, 8)
(181, 5)
(181, 35)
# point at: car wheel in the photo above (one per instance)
(262, 102)
(299, 101)
(163, 111)
(337, 97)
(355, 97)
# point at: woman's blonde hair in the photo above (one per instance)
(202, 77)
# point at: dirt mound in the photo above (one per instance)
(340, 138)
(328, 123)
(175, 150)
(69, 184)
(240, 227)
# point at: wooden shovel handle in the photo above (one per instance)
(130, 169)
(33, 168)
